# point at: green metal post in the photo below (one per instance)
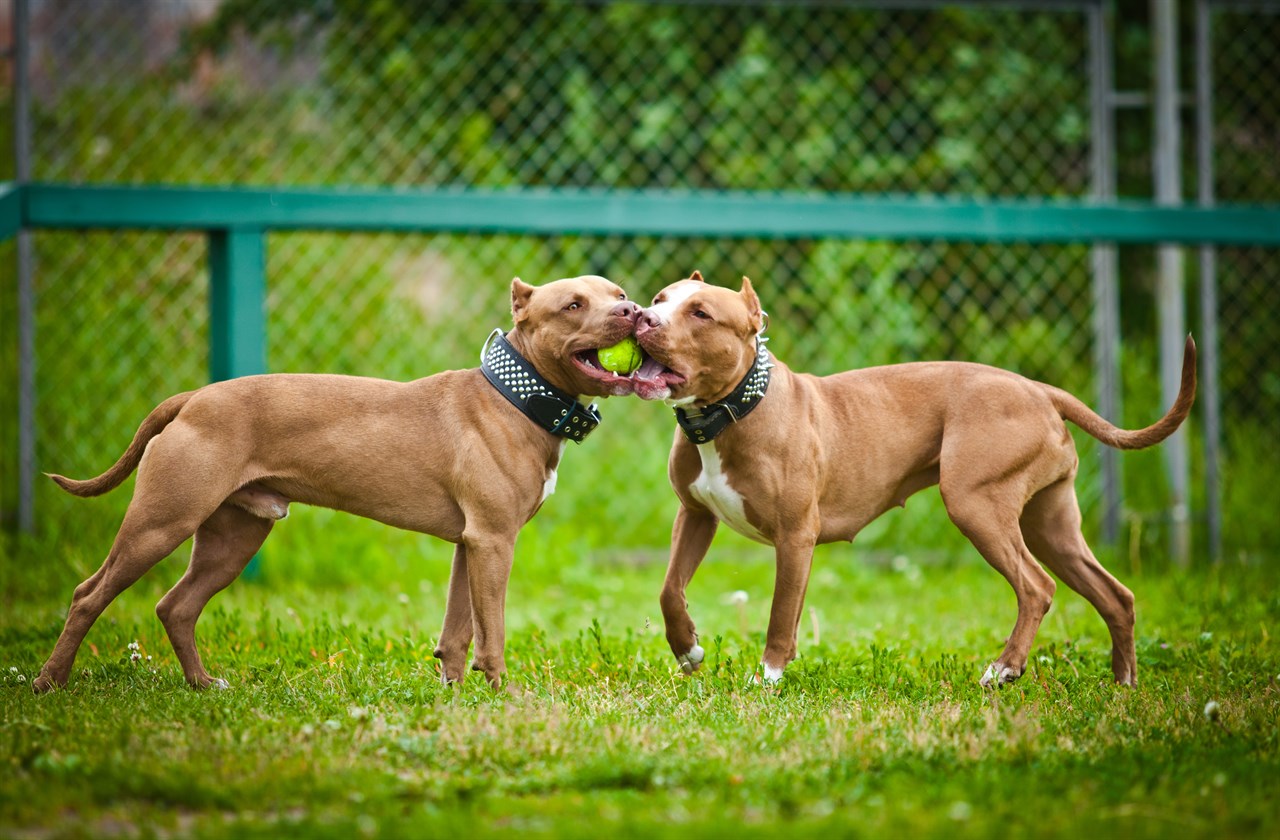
(237, 311)
(237, 303)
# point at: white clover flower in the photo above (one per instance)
(739, 597)
(135, 656)
(22, 677)
(900, 563)
(12, 670)
(1211, 710)
(133, 645)
(148, 657)
(404, 597)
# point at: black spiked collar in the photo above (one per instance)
(543, 403)
(703, 425)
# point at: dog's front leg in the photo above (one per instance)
(488, 559)
(794, 554)
(455, 636)
(690, 538)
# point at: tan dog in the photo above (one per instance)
(821, 457)
(447, 455)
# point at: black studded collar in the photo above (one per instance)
(543, 403)
(703, 425)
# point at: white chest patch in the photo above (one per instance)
(712, 489)
(549, 485)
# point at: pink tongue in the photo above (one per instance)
(650, 369)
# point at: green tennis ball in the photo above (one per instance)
(622, 358)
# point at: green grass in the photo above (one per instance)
(336, 725)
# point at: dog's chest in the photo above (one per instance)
(712, 488)
(549, 484)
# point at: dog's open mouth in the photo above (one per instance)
(588, 361)
(653, 380)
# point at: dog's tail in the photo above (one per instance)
(161, 416)
(1077, 412)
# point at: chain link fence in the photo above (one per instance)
(954, 100)
(1246, 140)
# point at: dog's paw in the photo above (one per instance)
(691, 661)
(998, 674)
(765, 675)
(207, 683)
(43, 685)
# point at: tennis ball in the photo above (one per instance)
(623, 357)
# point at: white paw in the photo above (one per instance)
(999, 674)
(690, 661)
(765, 675)
(220, 684)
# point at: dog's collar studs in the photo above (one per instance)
(543, 403)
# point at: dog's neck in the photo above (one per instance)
(556, 411)
(703, 425)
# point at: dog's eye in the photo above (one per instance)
(622, 295)
(572, 306)
(699, 314)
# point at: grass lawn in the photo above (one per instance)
(335, 724)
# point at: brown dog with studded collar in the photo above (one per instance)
(793, 460)
(467, 456)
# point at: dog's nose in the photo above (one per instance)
(646, 321)
(627, 309)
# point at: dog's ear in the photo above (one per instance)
(521, 292)
(748, 295)
(697, 275)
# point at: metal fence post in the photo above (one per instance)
(237, 303)
(1106, 293)
(26, 270)
(1172, 306)
(1209, 396)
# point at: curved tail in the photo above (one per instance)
(1077, 412)
(161, 416)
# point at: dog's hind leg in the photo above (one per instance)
(224, 544)
(1051, 526)
(178, 487)
(139, 545)
(991, 524)
(455, 636)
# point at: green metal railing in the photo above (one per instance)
(236, 221)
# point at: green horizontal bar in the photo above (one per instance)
(10, 210)
(646, 212)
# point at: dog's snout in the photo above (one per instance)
(627, 309)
